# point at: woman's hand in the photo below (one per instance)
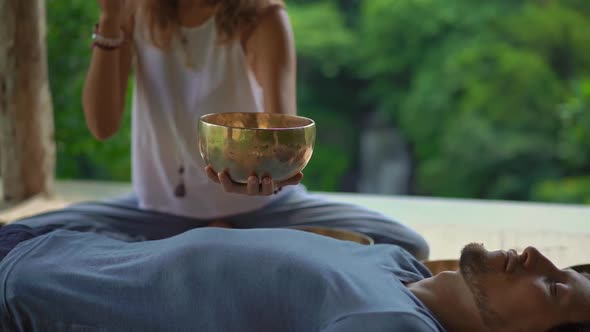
(255, 187)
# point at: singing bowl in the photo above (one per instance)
(261, 144)
(581, 268)
(339, 234)
(438, 266)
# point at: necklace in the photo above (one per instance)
(181, 151)
(188, 61)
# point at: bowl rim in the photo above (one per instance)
(364, 236)
(202, 120)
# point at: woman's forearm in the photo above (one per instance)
(270, 51)
(106, 80)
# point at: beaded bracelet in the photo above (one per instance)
(104, 47)
(105, 43)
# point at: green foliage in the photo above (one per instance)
(488, 118)
(331, 158)
(573, 151)
(79, 154)
(568, 190)
(574, 145)
(326, 168)
(476, 87)
(326, 90)
(492, 96)
(323, 49)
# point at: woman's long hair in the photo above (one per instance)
(233, 17)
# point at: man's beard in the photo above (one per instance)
(473, 261)
(473, 264)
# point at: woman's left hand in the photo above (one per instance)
(255, 187)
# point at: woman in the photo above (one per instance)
(193, 57)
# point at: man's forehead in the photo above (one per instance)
(582, 279)
(581, 289)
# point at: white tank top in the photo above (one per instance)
(168, 99)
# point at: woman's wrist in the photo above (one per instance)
(109, 26)
(108, 34)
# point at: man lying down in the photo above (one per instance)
(213, 279)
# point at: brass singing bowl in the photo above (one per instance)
(438, 266)
(581, 268)
(339, 234)
(261, 144)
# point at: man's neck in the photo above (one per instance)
(451, 301)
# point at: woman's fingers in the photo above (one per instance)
(267, 186)
(292, 181)
(253, 186)
(220, 224)
(211, 174)
(226, 182)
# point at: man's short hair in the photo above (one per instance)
(573, 327)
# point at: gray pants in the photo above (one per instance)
(121, 218)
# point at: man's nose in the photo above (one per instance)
(534, 261)
(529, 257)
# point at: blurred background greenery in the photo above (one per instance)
(491, 98)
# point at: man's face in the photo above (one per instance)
(523, 292)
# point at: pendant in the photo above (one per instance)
(187, 58)
(180, 190)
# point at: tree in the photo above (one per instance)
(477, 87)
(26, 119)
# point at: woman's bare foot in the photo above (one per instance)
(220, 224)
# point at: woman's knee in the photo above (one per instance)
(70, 217)
(418, 247)
(405, 237)
(56, 217)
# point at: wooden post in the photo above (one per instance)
(27, 142)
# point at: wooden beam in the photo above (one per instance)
(27, 142)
